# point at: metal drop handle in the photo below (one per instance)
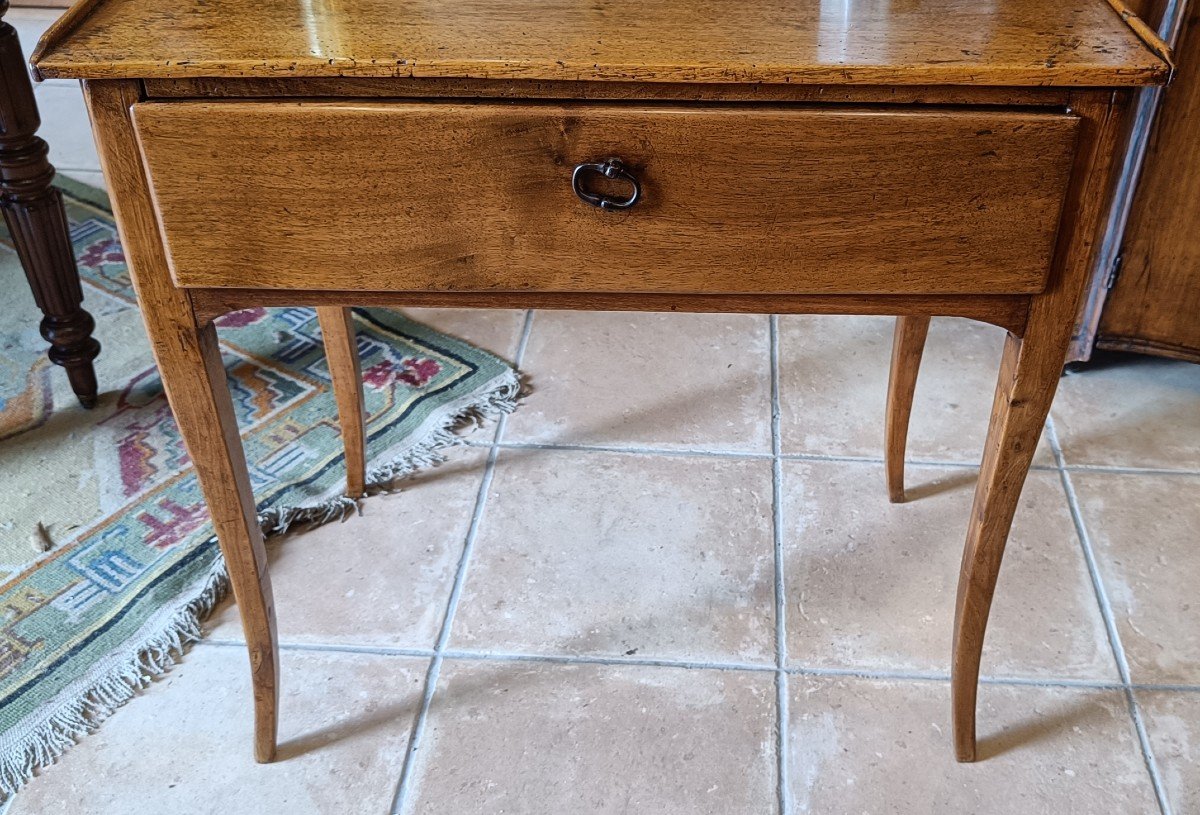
(612, 168)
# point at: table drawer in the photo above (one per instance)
(479, 197)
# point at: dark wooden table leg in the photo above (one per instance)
(34, 212)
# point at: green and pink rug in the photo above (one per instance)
(132, 566)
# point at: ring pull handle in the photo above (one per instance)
(612, 168)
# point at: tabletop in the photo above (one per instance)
(911, 42)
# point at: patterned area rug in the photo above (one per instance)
(130, 566)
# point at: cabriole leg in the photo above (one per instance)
(907, 345)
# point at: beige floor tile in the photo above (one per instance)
(611, 553)
(1173, 726)
(1129, 410)
(382, 578)
(184, 746)
(1144, 531)
(694, 381)
(833, 374)
(65, 127)
(880, 747)
(523, 738)
(872, 585)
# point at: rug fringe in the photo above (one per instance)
(155, 655)
(160, 650)
(500, 400)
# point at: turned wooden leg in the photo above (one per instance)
(341, 349)
(907, 345)
(34, 212)
(189, 362)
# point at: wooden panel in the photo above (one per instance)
(443, 88)
(1155, 304)
(479, 198)
(1007, 311)
(999, 42)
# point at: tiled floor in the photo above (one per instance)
(672, 583)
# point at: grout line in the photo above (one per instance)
(1052, 682)
(435, 665)
(734, 454)
(347, 648)
(924, 676)
(649, 451)
(1139, 724)
(1165, 686)
(781, 678)
(956, 465)
(467, 655)
(1104, 468)
(585, 659)
(1110, 624)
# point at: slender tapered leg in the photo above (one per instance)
(189, 363)
(1030, 368)
(194, 378)
(337, 329)
(907, 345)
(34, 212)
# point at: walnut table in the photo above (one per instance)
(943, 157)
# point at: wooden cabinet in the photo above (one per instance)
(1148, 299)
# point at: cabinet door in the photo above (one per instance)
(1154, 306)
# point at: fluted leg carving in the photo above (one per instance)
(34, 212)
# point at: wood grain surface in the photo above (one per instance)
(1155, 304)
(345, 370)
(189, 363)
(908, 345)
(520, 89)
(964, 42)
(453, 197)
(1030, 369)
(1007, 311)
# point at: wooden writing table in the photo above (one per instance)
(943, 157)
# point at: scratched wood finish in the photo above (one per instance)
(908, 343)
(345, 370)
(193, 376)
(454, 88)
(1000, 42)
(479, 197)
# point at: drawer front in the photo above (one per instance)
(479, 197)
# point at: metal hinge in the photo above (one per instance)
(1114, 271)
